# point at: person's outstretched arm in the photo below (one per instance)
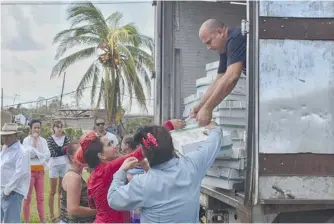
(114, 165)
(206, 153)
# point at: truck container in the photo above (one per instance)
(279, 118)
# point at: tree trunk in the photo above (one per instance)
(112, 102)
(108, 96)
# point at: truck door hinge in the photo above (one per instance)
(244, 27)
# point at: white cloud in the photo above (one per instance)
(28, 54)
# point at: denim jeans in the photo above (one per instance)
(11, 208)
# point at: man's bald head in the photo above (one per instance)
(211, 25)
(213, 34)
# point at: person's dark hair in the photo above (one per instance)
(32, 122)
(57, 122)
(165, 149)
(130, 142)
(99, 118)
(91, 153)
(70, 150)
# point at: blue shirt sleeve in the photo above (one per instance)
(122, 196)
(207, 151)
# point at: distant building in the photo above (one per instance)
(21, 119)
(6, 117)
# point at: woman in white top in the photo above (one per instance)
(58, 163)
(39, 156)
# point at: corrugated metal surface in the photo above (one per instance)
(296, 107)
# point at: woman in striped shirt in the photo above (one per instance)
(58, 163)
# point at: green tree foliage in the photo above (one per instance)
(133, 124)
(73, 134)
(121, 57)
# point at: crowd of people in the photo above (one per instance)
(150, 182)
(138, 179)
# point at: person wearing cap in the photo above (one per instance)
(15, 174)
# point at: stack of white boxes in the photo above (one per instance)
(227, 172)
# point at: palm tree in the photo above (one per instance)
(122, 57)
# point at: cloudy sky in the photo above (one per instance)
(27, 53)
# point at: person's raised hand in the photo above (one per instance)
(35, 135)
(194, 111)
(129, 163)
(178, 124)
(211, 125)
(35, 139)
(144, 164)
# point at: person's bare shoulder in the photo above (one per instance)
(71, 178)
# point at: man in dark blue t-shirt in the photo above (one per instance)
(231, 46)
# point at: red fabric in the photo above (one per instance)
(85, 140)
(99, 183)
(98, 186)
(150, 139)
(168, 124)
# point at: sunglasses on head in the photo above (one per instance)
(100, 124)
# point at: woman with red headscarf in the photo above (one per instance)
(101, 155)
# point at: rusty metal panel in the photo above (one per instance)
(296, 102)
(314, 9)
(296, 164)
(296, 188)
(296, 96)
(296, 28)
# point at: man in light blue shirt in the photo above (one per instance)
(170, 190)
(15, 175)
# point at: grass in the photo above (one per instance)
(34, 218)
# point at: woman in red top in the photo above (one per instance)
(102, 157)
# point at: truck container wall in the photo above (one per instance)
(296, 102)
